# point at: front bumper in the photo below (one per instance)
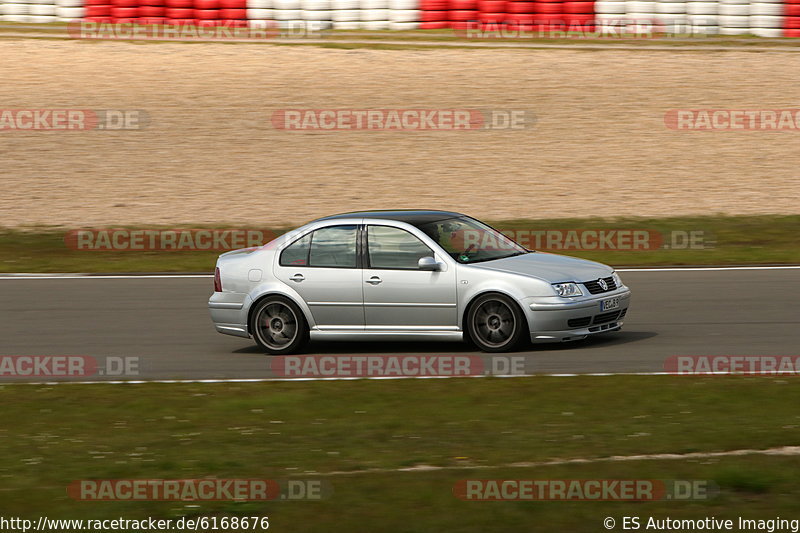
(562, 319)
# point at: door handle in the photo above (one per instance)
(374, 280)
(297, 277)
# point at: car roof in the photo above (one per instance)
(414, 217)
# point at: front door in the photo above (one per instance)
(397, 294)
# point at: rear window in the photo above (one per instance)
(296, 254)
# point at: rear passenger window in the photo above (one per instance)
(296, 254)
(334, 246)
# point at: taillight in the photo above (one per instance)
(217, 281)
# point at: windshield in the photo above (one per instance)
(470, 241)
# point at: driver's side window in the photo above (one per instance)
(449, 235)
(394, 248)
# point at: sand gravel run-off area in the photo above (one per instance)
(210, 154)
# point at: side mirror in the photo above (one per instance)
(428, 263)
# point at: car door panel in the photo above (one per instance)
(397, 295)
(410, 299)
(332, 294)
(326, 276)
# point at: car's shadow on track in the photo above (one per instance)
(412, 347)
(358, 347)
(598, 341)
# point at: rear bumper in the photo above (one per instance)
(236, 330)
(228, 315)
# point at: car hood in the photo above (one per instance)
(549, 267)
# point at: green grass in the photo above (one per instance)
(52, 436)
(768, 239)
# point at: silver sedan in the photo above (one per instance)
(393, 275)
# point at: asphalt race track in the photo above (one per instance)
(164, 322)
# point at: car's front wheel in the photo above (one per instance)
(278, 326)
(495, 323)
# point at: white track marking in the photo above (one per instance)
(782, 451)
(267, 380)
(373, 378)
(707, 269)
(23, 276)
(103, 276)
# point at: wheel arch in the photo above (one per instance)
(474, 298)
(262, 296)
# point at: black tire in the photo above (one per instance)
(495, 323)
(278, 326)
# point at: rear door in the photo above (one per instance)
(323, 267)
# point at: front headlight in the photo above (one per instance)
(566, 290)
(617, 280)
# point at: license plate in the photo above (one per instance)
(608, 305)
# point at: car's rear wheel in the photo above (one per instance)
(495, 323)
(278, 326)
